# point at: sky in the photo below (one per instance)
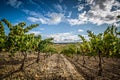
(63, 20)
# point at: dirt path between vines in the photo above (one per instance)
(57, 67)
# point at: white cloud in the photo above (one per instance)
(82, 19)
(53, 19)
(34, 19)
(80, 30)
(80, 7)
(64, 37)
(69, 14)
(35, 32)
(74, 22)
(61, 8)
(101, 12)
(60, 1)
(41, 29)
(58, 7)
(49, 18)
(32, 13)
(14, 3)
(86, 37)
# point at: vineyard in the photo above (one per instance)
(25, 56)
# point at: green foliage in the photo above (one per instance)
(43, 45)
(69, 50)
(17, 39)
(2, 32)
(30, 27)
(107, 43)
(118, 16)
(36, 42)
(7, 23)
(104, 44)
(111, 42)
(84, 48)
(22, 24)
(2, 37)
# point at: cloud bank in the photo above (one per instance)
(53, 19)
(101, 12)
(64, 37)
(14, 3)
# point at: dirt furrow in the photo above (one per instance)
(71, 69)
(59, 68)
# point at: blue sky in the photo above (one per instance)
(62, 19)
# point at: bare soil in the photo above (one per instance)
(111, 68)
(57, 67)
